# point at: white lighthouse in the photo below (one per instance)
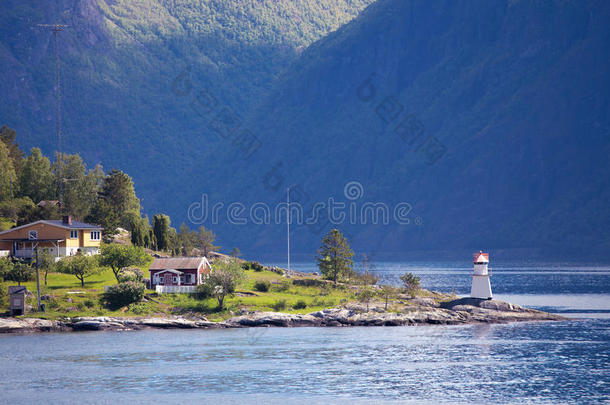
(481, 287)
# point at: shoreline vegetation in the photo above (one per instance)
(108, 291)
(266, 297)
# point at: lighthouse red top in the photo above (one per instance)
(481, 257)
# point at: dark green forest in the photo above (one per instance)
(34, 188)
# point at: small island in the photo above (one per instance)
(90, 260)
(265, 297)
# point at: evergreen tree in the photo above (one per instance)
(36, 177)
(119, 193)
(187, 239)
(8, 137)
(206, 241)
(8, 177)
(70, 172)
(104, 215)
(335, 256)
(161, 230)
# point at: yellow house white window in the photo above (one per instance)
(73, 234)
(95, 235)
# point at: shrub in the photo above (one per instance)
(204, 291)
(410, 282)
(123, 294)
(141, 308)
(131, 274)
(3, 294)
(300, 304)
(283, 287)
(317, 302)
(89, 303)
(256, 266)
(279, 305)
(262, 285)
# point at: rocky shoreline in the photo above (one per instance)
(422, 312)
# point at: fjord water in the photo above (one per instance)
(554, 362)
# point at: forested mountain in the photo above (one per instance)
(491, 118)
(488, 118)
(124, 103)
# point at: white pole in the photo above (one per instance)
(288, 224)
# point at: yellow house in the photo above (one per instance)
(64, 237)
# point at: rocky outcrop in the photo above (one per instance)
(459, 311)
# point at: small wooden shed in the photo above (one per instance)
(17, 299)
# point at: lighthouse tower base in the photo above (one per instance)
(481, 287)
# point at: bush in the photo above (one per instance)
(131, 274)
(256, 266)
(89, 303)
(410, 282)
(141, 308)
(123, 294)
(283, 287)
(204, 291)
(279, 305)
(262, 285)
(300, 304)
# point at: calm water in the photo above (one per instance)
(555, 362)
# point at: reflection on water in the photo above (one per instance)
(556, 362)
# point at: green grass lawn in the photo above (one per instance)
(69, 299)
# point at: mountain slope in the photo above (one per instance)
(516, 98)
(124, 67)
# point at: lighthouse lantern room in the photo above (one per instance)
(481, 287)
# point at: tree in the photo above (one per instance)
(20, 272)
(46, 263)
(221, 282)
(119, 193)
(80, 189)
(36, 178)
(187, 239)
(139, 228)
(335, 256)
(160, 226)
(410, 282)
(206, 241)
(5, 267)
(104, 215)
(235, 252)
(8, 177)
(365, 295)
(79, 266)
(387, 292)
(8, 137)
(118, 257)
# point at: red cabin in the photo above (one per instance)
(178, 271)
